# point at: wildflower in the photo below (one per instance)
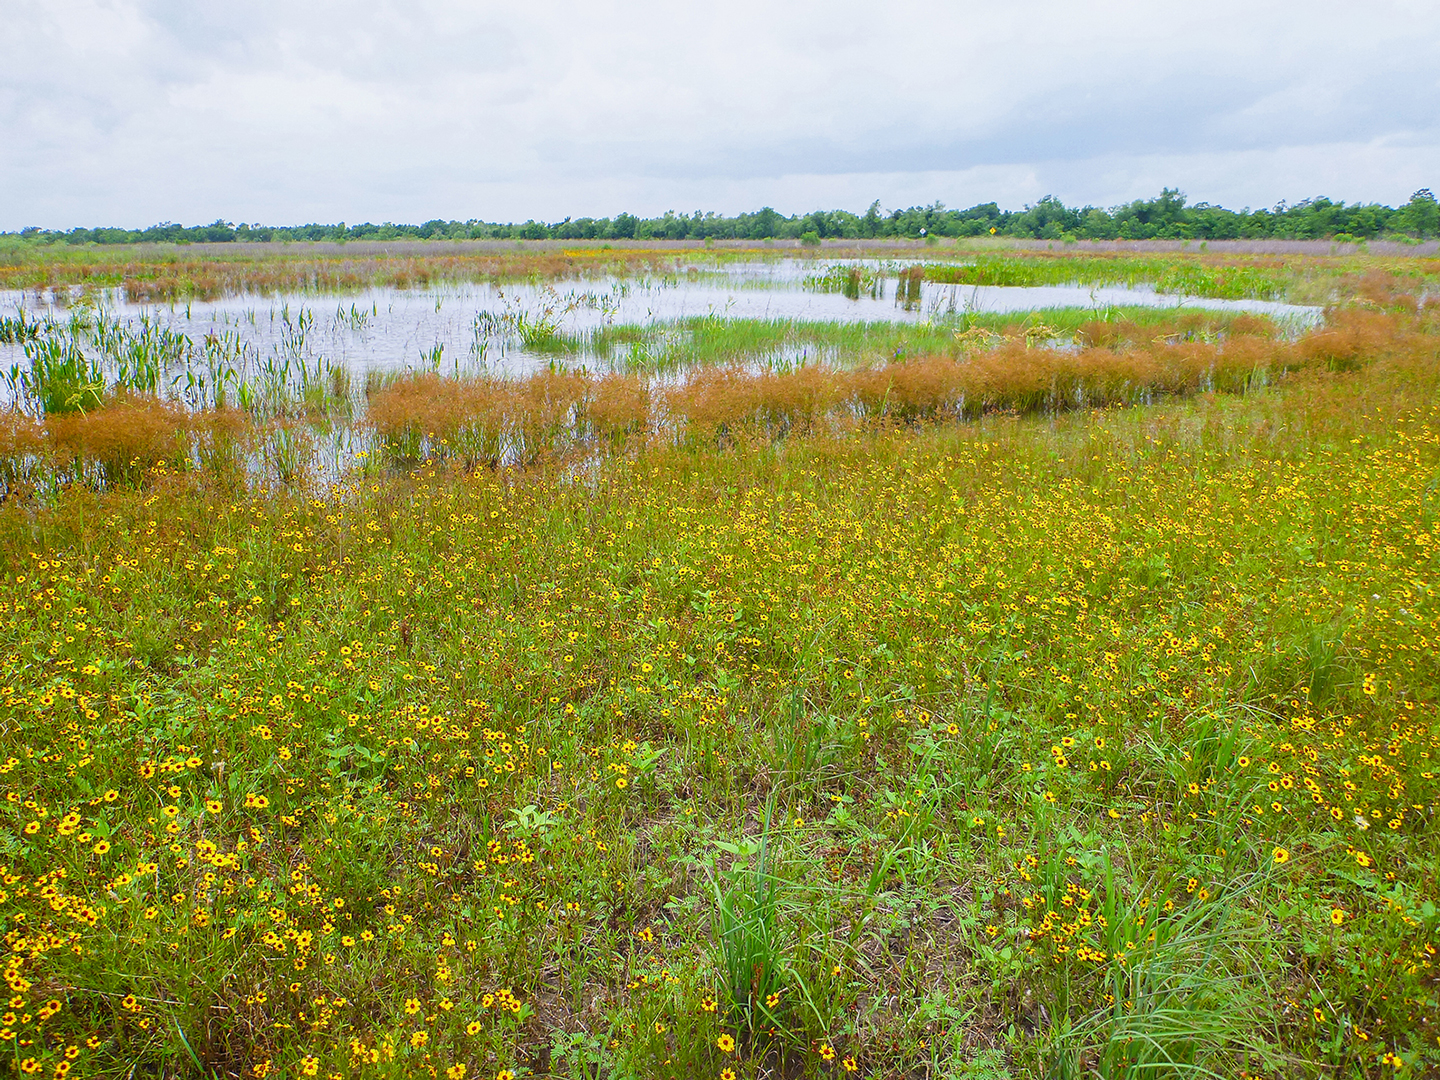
(412, 1006)
(473, 1028)
(851, 1065)
(827, 1051)
(727, 1073)
(1280, 855)
(456, 1071)
(725, 1043)
(419, 1038)
(309, 1066)
(1337, 915)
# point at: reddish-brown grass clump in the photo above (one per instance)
(123, 440)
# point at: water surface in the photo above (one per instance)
(463, 326)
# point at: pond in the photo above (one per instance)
(516, 328)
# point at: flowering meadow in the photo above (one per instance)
(1019, 742)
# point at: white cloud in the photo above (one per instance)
(132, 111)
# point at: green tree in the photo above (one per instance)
(1420, 216)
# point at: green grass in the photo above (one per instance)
(708, 341)
(1082, 742)
(900, 719)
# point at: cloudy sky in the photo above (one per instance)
(129, 112)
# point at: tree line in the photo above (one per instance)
(1168, 216)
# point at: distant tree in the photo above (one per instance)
(1420, 216)
(1165, 216)
(1048, 219)
(765, 224)
(870, 223)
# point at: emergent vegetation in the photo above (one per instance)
(1055, 703)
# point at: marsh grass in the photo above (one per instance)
(979, 705)
(1232, 279)
(710, 341)
(298, 408)
(1189, 1003)
(913, 717)
(122, 442)
(747, 932)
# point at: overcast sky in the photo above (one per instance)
(130, 112)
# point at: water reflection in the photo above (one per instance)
(517, 328)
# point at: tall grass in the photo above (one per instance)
(710, 340)
(1228, 278)
(295, 407)
(746, 932)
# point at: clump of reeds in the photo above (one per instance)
(118, 444)
(415, 412)
(618, 407)
(222, 440)
(794, 401)
(715, 402)
(907, 287)
(1349, 338)
(478, 420)
(1252, 326)
(914, 390)
(1386, 289)
(546, 407)
(288, 449)
(22, 449)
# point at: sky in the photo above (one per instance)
(132, 112)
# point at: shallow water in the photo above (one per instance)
(465, 326)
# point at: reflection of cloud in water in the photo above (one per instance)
(509, 326)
